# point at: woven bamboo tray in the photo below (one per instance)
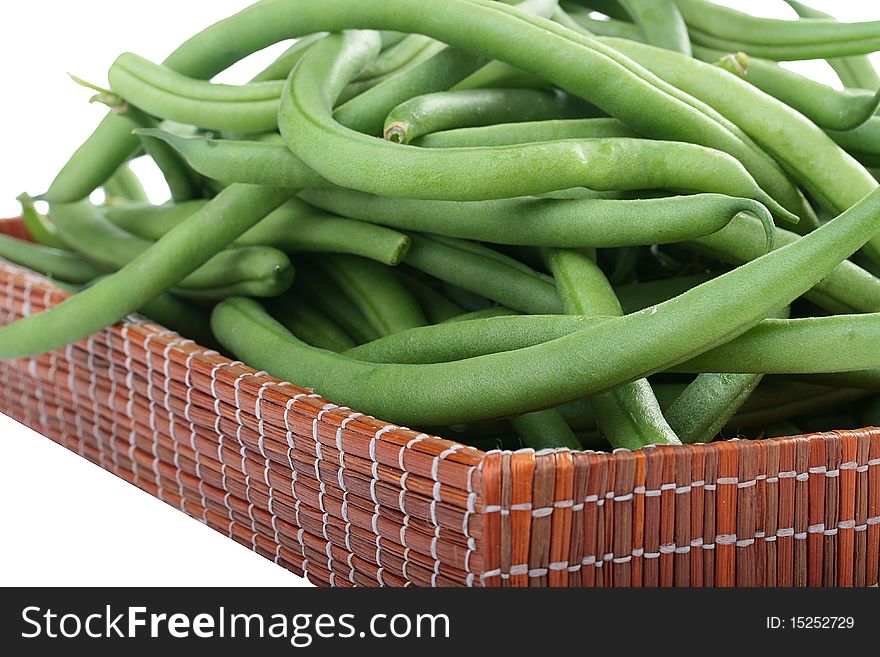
(348, 500)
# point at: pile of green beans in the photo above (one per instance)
(510, 223)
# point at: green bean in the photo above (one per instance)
(818, 37)
(295, 227)
(384, 300)
(863, 142)
(661, 22)
(506, 134)
(125, 186)
(469, 338)
(545, 430)
(280, 69)
(261, 163)
(399, 55)
(827, 172)
(106, 149)
(430, 113)
(786, 53)
(485, 272)
(848, 288)
(151, 222)
(596, 223)
(158, 90)
(856, 71)
(172, 259)
(256, 271)
(708, 405)
(629, 416)
(436, 307)
(349, 159)
(49, 261)
(40, 228)
(825, 106)
(308, 323)
(330, 299)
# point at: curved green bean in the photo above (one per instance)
(825, 106)
(40, 228)
(435, 112)
(282, 66)
(256, 162)
(507, 134)
(295, 227)
(708, 18)
(848, 288)
(855, 72)
(596, 223)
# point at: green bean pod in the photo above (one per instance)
(436, 112)
(309, 324)
(507, 134)
(295, 227)
(826, 107)
(599, 223)
(855, 72)
(485, 272)
(49, 261)
(160, 91)
(40, 228)
(384, 300)
(661, 22)
(545, 430)
(257, 162)
(818, 38)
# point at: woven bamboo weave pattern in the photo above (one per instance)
(348, 500)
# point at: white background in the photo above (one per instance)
(65, 521)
